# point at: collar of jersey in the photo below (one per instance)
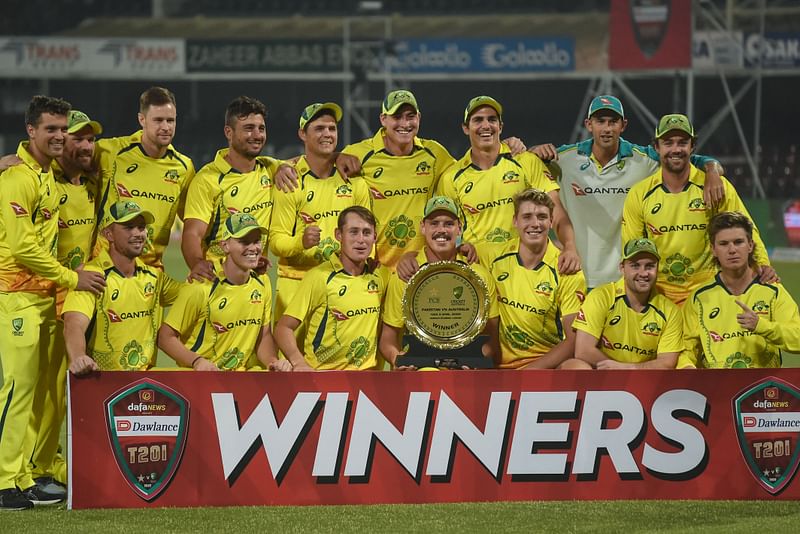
(303, 169)
(718, 279)
(27, 157)
(59, 175)
(136, 139)
(104, 261)
(550, 257)
(619, 293)
(225, 167)
(625, 148)
(694, 179)
(466, 160)
(422, 258)
(380, 146)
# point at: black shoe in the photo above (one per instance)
(13, 499)
(43, 497)
(51, 486)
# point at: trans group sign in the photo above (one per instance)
(216, 439)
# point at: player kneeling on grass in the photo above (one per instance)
(224, 324)
(116, 330)
(626, 324)
(736, 320)
(339, 302)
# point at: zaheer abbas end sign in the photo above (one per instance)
(380, 437)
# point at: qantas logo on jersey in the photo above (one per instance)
(675, 228)
(470, 209)
(136, 193)
(363, 311)
(387, 193)
(627, 348)
(19, 211)
(123, 191)
(76, 222)
(584, 191)
(339, 316)
(115, 317)
(62, 224)
(718, 338)
(249, 209)
(521, 305)
(219, 327)
(222, 328)
(308, 219)
(581, 316)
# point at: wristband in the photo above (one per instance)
(195, 361)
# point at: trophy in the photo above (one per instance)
(445, 306)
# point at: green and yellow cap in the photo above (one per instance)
(240, 224)
(124, 211)
(310, 112)
(674, 121)
(77, 120)
(483, 100)
(640, 245)
(395, 99)
(608, 102)
(440, 203)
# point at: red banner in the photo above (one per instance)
(214, 439)
(650, 34)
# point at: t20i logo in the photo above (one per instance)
(147, 424)
(767, 416)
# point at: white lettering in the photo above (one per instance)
(528, 431)
(593, 437)
(670, 427)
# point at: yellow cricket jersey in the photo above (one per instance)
(219, 190)
(393, 304)
(676, 223)
(400, 186)
(221, 321)
(343, 313)
(29, 209)
(125, 318)
(714, 339)
(627, 335)
(486, 197)
(158, 185)
(532, 305)
(76, 219)
(316, 201)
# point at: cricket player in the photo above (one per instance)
(669, 209)
(225, 324)
(29, 275)
(626, 324)
(146, 168)
(339, 302)
(737, 321)
(537, 304)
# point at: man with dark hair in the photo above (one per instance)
(145, 167)
(737, 321)
(29, 275)
(239, 180)
(339, 303)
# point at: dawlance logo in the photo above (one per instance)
(767, 417)
(147, 425)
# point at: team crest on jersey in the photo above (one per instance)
(372, 286)
(651, 329)
(255, 297)
(344, 190)
(400, 231)
(147, 425)
(761, 308)
(678, 268)
(621, 165)
(511, 177)
(265, 181)
(122, 191)
(544, 288)
(697, 204)
(171, 176)
(423, 168)
(16, 324)
(579, 192)
(149, 289)
(767, 417)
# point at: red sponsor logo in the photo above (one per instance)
(581, 296)
(376, 194)
(62, 224)
(123, 191)
(47, 214)
(581, 316)
(339, 316)
(748, 421)
(123, 425)
(549, 175)
(18, 210)
(232, 210)
(653, 229)
(146, 395)
(771, 393)
(470, 209)
(219, 327)
(716, 338)
(308, 219)
(606, 343)
(114, 317)
(579, 192)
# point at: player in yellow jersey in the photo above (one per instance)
(237, 181)
(737, 321)
(116, 331)
(339, 303)
(440, 227)
(146, 168)
(304, 220)
(626, 324)
(668, 208)
(29, 274)
(537, 304)
(225, 324)
(484, 182)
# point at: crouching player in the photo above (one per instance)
(625, 324)
(737, 321)
(116, 330)
(224, 324)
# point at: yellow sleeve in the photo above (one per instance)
(286, 229)
(734, 203)
(671, 339)
(443, 161)
(169, 289)
(21, 199)
(359, 149)
(187, 309)
(632, 220)
(266, 318)
(571, 289)
(361, 196)
(491, 287)
(185, 186)
(785, 330)
(105, 152)
(692, 351)
(393, 302)
(271, 164)
(447, 186)
(591, 317)
(309, 297)
(538, 175)
(201, 199)
(83, 302)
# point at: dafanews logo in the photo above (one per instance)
(767, 417)
(147, 425)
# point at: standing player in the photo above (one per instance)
(595, 176)
(537, 304)
(225, 324)
(304, 220)
(484, 182)
(626, 324)
(237, 181)
(668, 208)
(29, 274)
(116, 331)
(737, 321)
(440, 227)
(339, 303)
(146, 168)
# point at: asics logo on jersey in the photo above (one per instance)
(310, 196)
(468, 188)
(502, 277)
(342, 291)
(713, 313)
(132, 168)
(615, 320)
(585, 166)
(377, 172)
(63, 199)
(222, 303)
(123, 191)
(656, 208)
(234, 190)
(115, 294)
(19, 211)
